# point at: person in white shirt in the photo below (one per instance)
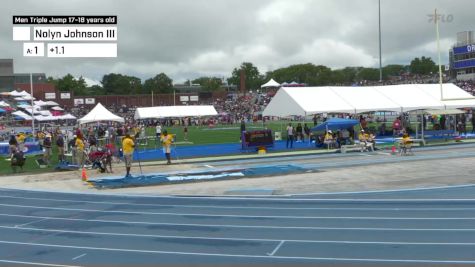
(290, 135)
(158, 130)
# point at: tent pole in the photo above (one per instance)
(281, 127)
(32, 107)
(422, 128)
(417, 127)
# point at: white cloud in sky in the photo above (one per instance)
(187, 39)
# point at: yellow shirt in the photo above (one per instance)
(328, 136)
(128, 146)
(79, 144)
(166, 140)
(406, 140)
(362, 137)
(21, 138)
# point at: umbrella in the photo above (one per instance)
(335, 124)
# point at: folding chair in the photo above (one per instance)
(366, 146)
(406, 148)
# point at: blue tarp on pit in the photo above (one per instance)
(335, 124)
(158, 179)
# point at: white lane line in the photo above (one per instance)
(244, 239)
(240, 255)
(36, 263)
(239, 215)
(208, 166)
(383, 153)
(25, 224)
(80, 256)
(424, 189)
(275, 198)
(248, 226)
(276, 248)
(232, 207)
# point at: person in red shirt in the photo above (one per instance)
(396, 126)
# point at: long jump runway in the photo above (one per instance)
(394, 228)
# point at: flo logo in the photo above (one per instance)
(440, 18)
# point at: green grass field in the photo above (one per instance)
(196, 135)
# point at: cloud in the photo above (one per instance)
(187, 39)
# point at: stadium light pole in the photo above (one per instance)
(32, 107)
(379, 30)
(438, 53)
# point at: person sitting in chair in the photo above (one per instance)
(364, 141)
(329, 140)
(371, 139)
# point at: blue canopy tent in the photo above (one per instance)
(335, 124)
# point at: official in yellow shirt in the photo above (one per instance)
(167, 140)
(21, 141)
(128, 146)
(80, 151)
(406, 139)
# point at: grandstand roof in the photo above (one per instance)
(400, 98)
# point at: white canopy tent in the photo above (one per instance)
(4, 104)
(100, 113)
(39, 103)
(174, 112)
(270, 83)
(51, 103)
(16, 93)
(57, 108)
(41, 118)
(66, 117)
(25, 106)
(34, 110)
(22, 114)
(24, 98)
(400, 98)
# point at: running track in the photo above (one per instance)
(393, 228)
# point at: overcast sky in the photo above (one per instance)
(187, 39)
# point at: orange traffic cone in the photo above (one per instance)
(84, 174)
(393, 150)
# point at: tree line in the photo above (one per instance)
(310, 74)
